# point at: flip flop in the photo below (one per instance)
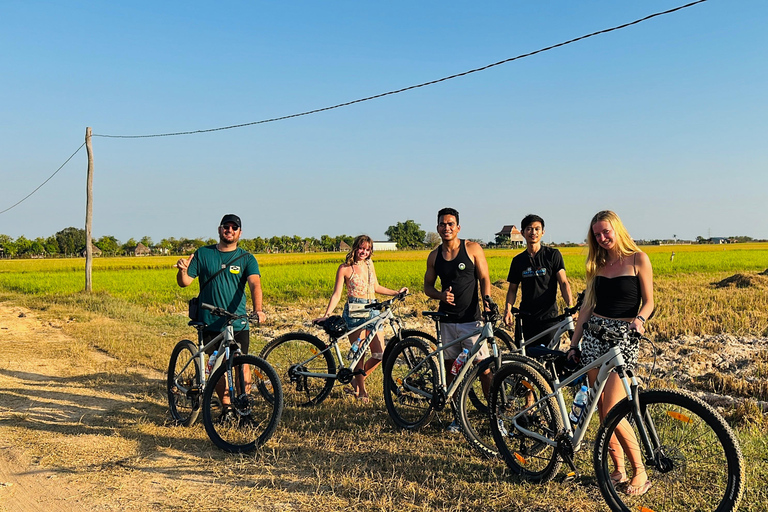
(349, 390)
(363, 399)
(617, 477)
(638, 491)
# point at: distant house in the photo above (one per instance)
(344, 246)
(141, 250)
(510, 235)
(384, 246)
(718, 240)
(94, 250)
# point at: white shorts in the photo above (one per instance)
(451, 332)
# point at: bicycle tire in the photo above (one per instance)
(529, 458)
(184, 406)
(252, 417)
(482, 405)
(472, 411)
(505, 340)
(288, 354)
(699, 464)
(410, 398)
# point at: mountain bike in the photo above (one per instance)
(415, 383)
(475, 420)
(308, 367)
(237, 415)
(692, 457)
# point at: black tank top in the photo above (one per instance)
(617, 297)
(459, 274)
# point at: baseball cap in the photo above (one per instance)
(231, 217)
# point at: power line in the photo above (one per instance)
(505, 61)
(46, 181)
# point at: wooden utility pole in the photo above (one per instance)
(88, 212)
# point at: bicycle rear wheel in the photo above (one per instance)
(184, 384)
(696, 464)
(410, 378)
(250, 417)
(516, 387)
(293, 356)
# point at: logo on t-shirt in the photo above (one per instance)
(462, 266)
(530, 272)
(234, 269)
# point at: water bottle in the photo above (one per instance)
(579, 403)
(211, 362)
(459, 362)
(355, 347)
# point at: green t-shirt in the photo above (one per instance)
(227, 289)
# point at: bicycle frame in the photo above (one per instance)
(607, 362)
(559, 329)
(485, 332)
(225, 339)
(373, 325)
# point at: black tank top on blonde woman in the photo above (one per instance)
(618, 297)
(459, 274)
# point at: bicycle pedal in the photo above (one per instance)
(571, 476)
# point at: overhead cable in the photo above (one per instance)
(46, 181)
(505, 61)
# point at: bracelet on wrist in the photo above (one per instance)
(640, 318)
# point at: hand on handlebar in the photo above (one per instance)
(257, 316)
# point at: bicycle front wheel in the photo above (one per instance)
(242, 421)
(303, 365)
(696, 462)
(472, 412)
(184, 384)
(410, 379)
(515, 388)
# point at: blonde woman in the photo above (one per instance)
(619, 296)
(359, 277)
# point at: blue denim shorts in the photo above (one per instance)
(353, 323)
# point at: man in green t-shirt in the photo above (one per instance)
(227, 288)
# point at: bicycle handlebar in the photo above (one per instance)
(217, 311)
(387, 303)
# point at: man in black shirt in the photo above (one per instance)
(462, 269)
(538, 271)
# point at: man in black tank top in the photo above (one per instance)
(461, 266)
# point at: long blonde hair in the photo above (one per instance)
(598, 257)
(359, 241)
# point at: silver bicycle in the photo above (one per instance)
(308, 367)
(241, 401)
(691, 455)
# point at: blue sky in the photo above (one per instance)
(661, 122)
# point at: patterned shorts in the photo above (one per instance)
(593, 347)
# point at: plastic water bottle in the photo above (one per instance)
(211, 362)
(458, 364)
(579, 403)
(355, 348)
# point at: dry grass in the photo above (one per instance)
(101, 423)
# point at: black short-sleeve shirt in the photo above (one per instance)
(537, 277)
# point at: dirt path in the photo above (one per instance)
(50, 407)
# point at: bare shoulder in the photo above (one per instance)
(433, 255)
(474, 249)
(642, 259)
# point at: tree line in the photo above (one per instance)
(71, 242)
